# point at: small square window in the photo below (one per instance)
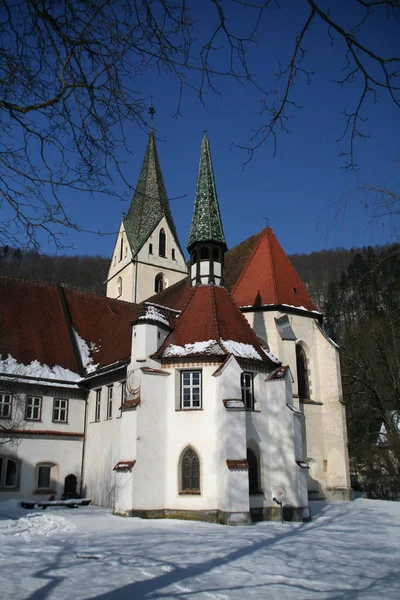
(60, 410)
(191, 389)
(33, 408)
(5, 406)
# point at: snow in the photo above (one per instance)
(85, 351)
(208, 347)
(153, 313)
(271, 356)
(10, 366)
(350, 550)
(240, 349)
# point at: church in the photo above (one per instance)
(204, 389)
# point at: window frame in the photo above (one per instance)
(3, 472)
(189, 491)
(27, 407)
(97, 405)
(66, 409)
(245, 388)
(9, 404)
(53, 477)
(110, 398)
(190, 387)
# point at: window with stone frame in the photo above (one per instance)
(247, 388)
(33, 408)
(162, 244)
(5, 405)
(190, 472)
(97, 405)
(191, 389)
(60, 410)
(303, 379)
(159, 283)
(9, 472)
(46, 477)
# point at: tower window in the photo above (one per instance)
(162, 243)
(204, 254)
(121, 248)
(150, 248)
(159, 283)
(216, 255)
(119, 287)
(173, 253)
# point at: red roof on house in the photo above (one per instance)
(36, 325)
(211, 314)
(263, 274)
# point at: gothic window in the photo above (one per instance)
(159, 283)
(121, 248)
(190, 389)
(119, 286)
(190, 472)
(150, 248)
(247, 386)
(254, 473)
(303, 379)
(162, 243)
(173, 253)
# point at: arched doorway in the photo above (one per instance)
(70, 487)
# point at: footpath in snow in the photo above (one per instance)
(351, 550)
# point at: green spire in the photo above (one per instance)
(206, 223)
(150, 201)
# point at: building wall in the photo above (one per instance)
(30, 449)
(325, 423)
(138, 273)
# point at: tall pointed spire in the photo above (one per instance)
(150, 200)
(206, 238)
(206, 223)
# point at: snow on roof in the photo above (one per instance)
(85, 352)
(241, 350)
(10, 366)
(154, 314)
(210, 347)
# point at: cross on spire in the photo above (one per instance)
(267, 220)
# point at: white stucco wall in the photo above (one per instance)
(138, 273)
(325, 423)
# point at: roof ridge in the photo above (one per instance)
(249, 259)
(268, 231)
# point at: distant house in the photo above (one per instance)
(196, 395)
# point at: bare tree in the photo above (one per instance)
(69, 71)
(12, 414)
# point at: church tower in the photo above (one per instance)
(147, 256)
(206, 243)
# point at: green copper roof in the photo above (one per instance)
(206, 223)
(150, 201)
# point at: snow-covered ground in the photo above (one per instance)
(350, 550)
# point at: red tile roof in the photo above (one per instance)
(34, 325)
(211, 314)
(267, 276)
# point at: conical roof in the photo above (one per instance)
(150, 201)
(262, 274)
(206, 225)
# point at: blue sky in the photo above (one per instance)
(298, 188)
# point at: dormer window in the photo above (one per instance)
(162, 243)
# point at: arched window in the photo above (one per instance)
(119, 286)
(190, 472)
(159, 283)
(303, 379)
(254, 473)
(162, 243)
